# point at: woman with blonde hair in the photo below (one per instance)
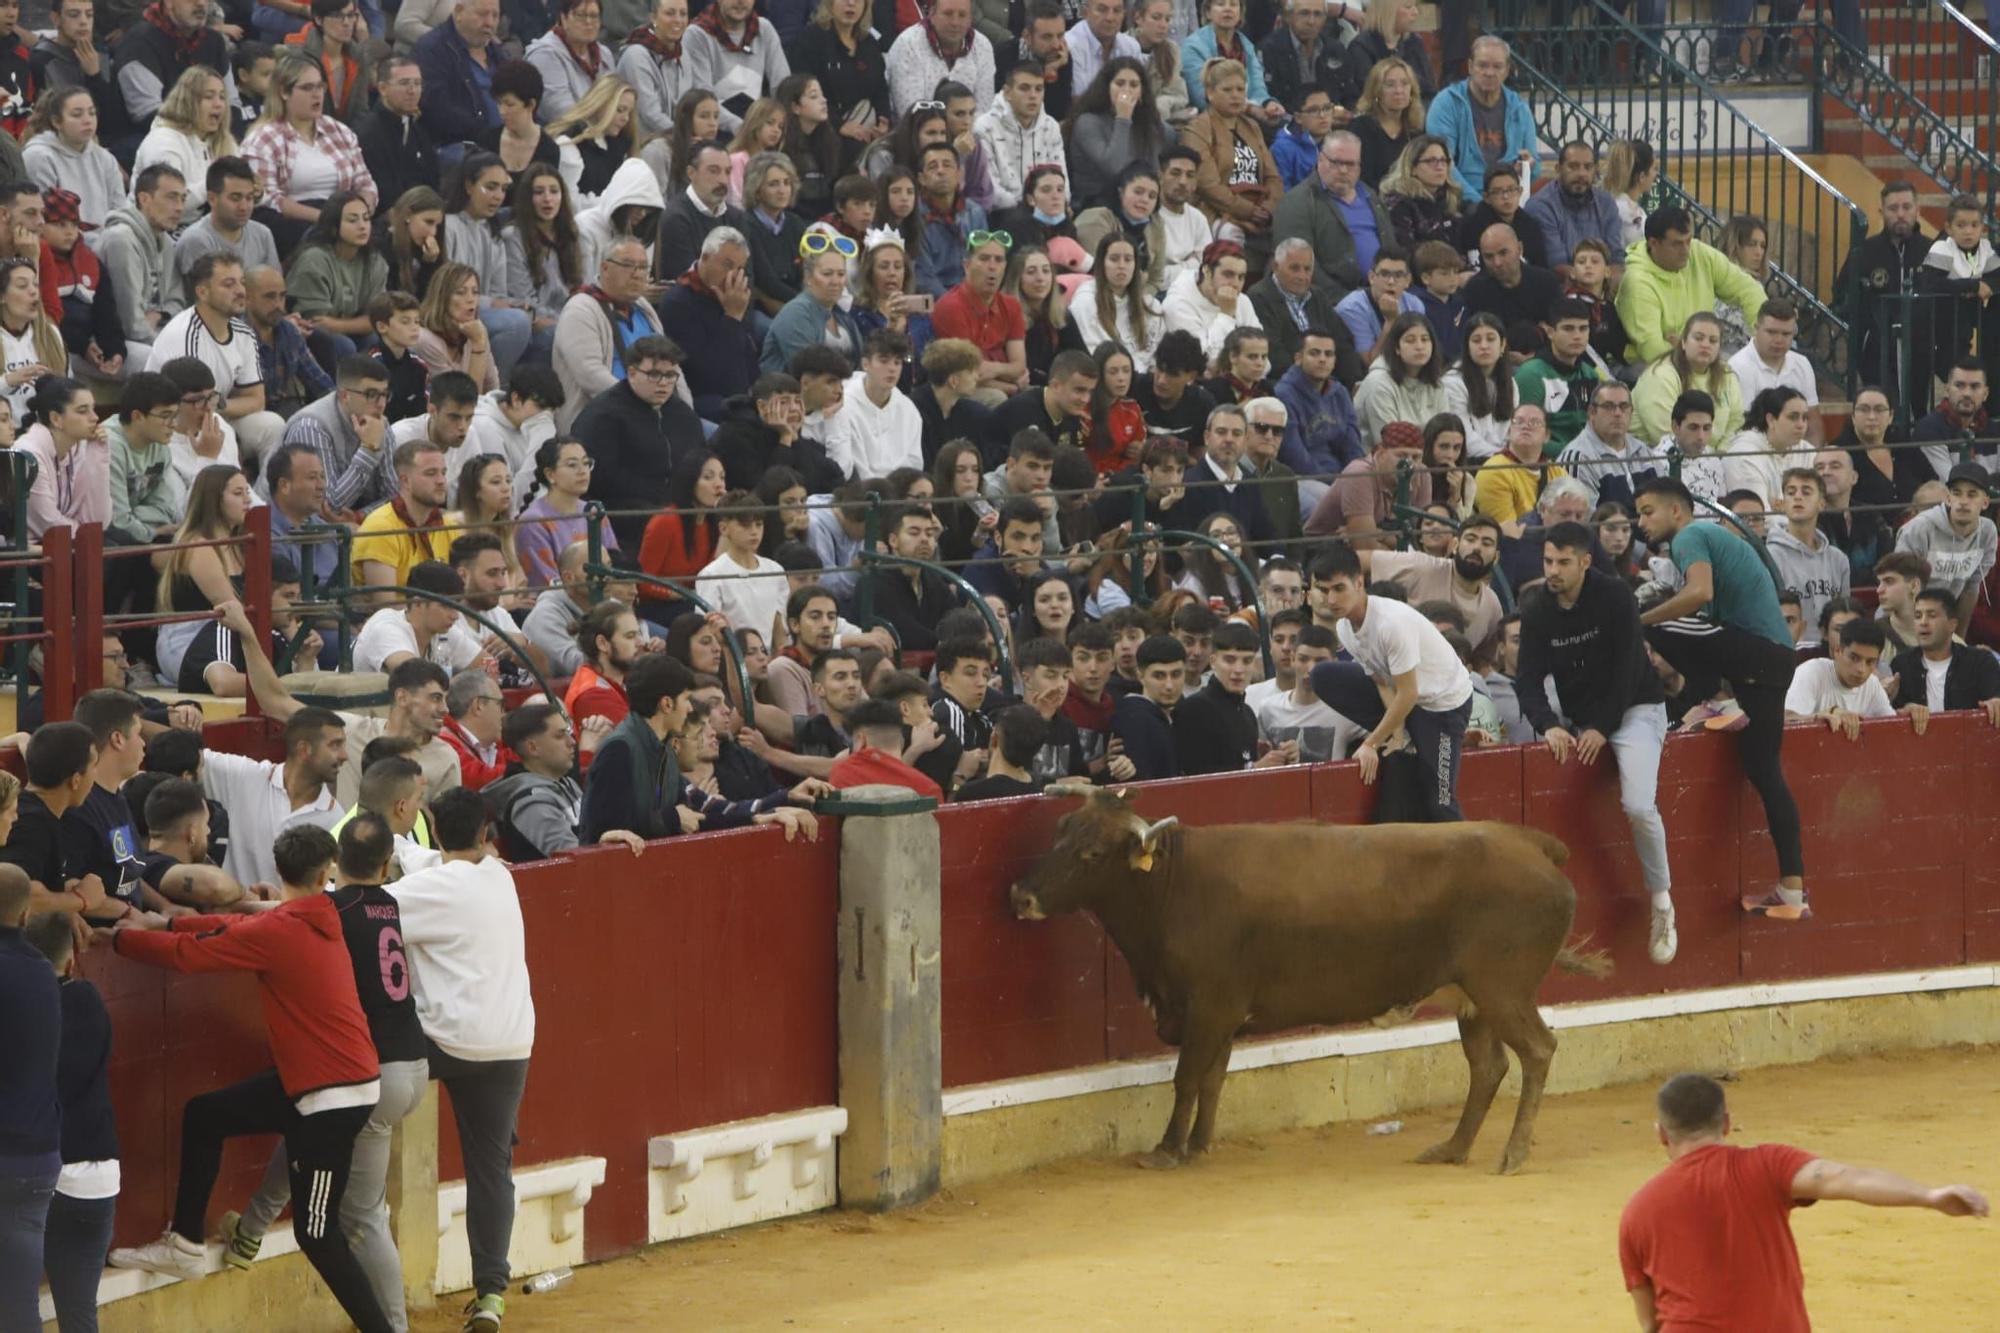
(198, 579)
(1112, 584)
(1237, 183)
(486, 504)
(1423, 200)
(595, 138)
(301, 155)
(770, 184)
(1696, 361)
(1388, 31)
(1031, 280)
(882, 295)
(452, 337)
(190, 131)
(1630, 172)
(1746, 243)
(410, 239)
(762, 131)
(1389, 115)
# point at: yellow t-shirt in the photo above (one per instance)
(385, 537)
(1504, 490)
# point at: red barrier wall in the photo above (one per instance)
(1902, 846)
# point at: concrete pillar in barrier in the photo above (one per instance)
(891, 1051)
(413, 1199)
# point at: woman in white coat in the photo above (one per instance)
(1112, 305)
(190, 131)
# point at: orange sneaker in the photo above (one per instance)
(1773, 906)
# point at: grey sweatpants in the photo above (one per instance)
(364, 1208)
(1636, 747)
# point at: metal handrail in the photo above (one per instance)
(973, 598)
(1242, 572)
(600, 573)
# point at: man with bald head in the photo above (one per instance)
(1861, 537)
(1507, 286)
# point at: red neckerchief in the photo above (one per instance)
(948, 219)
(419, 540)
(186, 44)
(643, 35)
(1233, 51)
(591, 60)
(839, 224)
(710, 22)
(624, 308)
(937, 46)
(1245, 389)
(1977, 425)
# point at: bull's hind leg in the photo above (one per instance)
(1488, 1061)
(1523, 1029)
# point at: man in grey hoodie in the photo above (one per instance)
(1807, 559)
(138, 253)
(1605, 456)
(539, 804)
(1956, 537)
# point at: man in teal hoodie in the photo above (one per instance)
(1485, 123)
(1668, 276)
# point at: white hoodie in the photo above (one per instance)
(1012, 152)
(468, 958)
(633, 183)
(492, 433)
(869, 441)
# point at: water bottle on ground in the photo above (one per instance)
(548, 1281)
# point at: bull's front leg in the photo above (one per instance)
(1197, 1081)
(1172, 1151)
(1211, 1094)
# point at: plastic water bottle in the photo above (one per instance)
(1384, 1127)
(548, 1281)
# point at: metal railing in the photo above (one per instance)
(1927, 79)
(1606, 78)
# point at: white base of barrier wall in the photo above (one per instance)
(120, 1284)
(548, 1221)
(747, 1171)
(1444, 1032)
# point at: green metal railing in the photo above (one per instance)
(600, 573)
(22, 470)
(1581, 82)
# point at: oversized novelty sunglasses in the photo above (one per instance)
(979, 238)
(819, 242)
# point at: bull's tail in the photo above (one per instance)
(1579, 958)
(1550, 846)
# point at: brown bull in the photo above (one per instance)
(1261, 928)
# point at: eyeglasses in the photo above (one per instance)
(1267, 428)
(636, 265)
(198, 400)
(163, 415)
(927, 106)
(667, 376)
(819, 242)
(1354, 163)
(370, 395)
(1005, 240)
(1434, 160)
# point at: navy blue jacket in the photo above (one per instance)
(721, 352)
(455, 108)
(30, 1039)
(1245, 503)
(1148, 736)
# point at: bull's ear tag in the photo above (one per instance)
(1143, 861)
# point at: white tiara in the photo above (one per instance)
(881, 236)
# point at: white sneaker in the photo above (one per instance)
(1663, 941)
(170, 1254)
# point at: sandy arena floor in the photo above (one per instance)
(1336, 1229)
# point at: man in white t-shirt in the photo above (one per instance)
(1768, 361)
(1285, 627)
(750, 589)
(420, 628)
(1404, 676)
(1298, 715)
(213, 331)
(1842, 690)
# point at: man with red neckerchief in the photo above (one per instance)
(942, 46)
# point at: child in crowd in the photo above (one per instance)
(1441, 273)
(1590, 281)
(76, 291)
(397, 324)
(964, 666)
(1962, 264)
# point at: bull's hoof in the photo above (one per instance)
(1161, 1160)
(1511, 1162)
(1447, 1153)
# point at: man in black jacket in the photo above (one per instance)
(1287, 304)
(701, 207)
(1143, 723)
(1940, 674)
(1582, 631)
(911, 599)
(1214, 729)
(635, 432)
(167, 39)
(1878, 271)
(762, 432)
(1162, 470)
(1300, 55)
(398, 149)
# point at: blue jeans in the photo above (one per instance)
(1439, 737)
(79, 1237)
(509, 331)
(24, 1217)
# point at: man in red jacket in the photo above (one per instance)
(326, 1079)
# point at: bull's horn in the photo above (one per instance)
(1153, 831)
(1068, 789)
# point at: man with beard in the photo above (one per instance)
(1465, 579)
(1961, 420)
(1877, 271)
(1578, 209)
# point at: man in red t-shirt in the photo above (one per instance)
(979, 312)
(612, 643)
(1707, 1243)
(877, 728)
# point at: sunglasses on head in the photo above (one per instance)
(819, 242)
(979, 238)
(927, 106)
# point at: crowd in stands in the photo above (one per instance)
(691, 414)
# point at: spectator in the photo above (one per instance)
(1209, 303)
(1875, 276)
(1755, 1189)
(396, 143)
(1242, 367)
(1941, 673)
(1464, 580)
(320, 1040)
(770, 185)
(1423, 201)
(655, 62)
(1018, 735)
(302, 156)
(812, 617)
(1957, 275)
(58, 760)
(910, 598)
(228, 226)
(609, 642)
(137, 251)
(879, 428)
(1463, 115)
(1058, 414)
(334, 39)
(1860, 535)
(1768, 362)
(543, 257)
(60, 58)
(458, 60)
(472, 241)
(1294, 715)
(519, 137)
(944, 46)
(1142, 719)
(213, 662)
(1605, 456)
(1019, 134)
(742, 56)
(335, 275)
(1511, 480)
(1577, 210)
(553, 519)
(74, 296)
(1388, 33)
(1287, 302)
(813, 318)
(98, 838)
(514, 423)
(1237, 183)
(977, 311)
(1774, 438)
(1561, 379)
(191, 127)
(1694, 362)
(1301, 59)
(1390, 109)
(1367, 311)
(398, 536)
(603, 319)
(1674, 277)
(213, 331)
(1405, 382)
(698, 209)
(880, 754)
(569, 57)
(1956, 539)
(1403, 675)
(1277, 484)
(1808, 562)
(763, 433)
(740, 584)
(1214, 729)
(1843, 689)
(61, 151)
(420, 629)
(1500, 205)
(1116, 135)
(950, 222)
(1217, 479)
(636, 432)
(1524, 299)
(474, 711)
(1440, 274)
(1724, 624)
(148, 500)
(1185, 227)
(1479, 389)
(347, 433)
(1002, 567)
(1629, 176)
(72, 484)
(1362, 500)
(1957, 429)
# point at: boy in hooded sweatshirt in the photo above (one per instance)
(1810, 563)
(1964, 264)
(1956, 537)
(75, 290)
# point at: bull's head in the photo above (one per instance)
(1098, 848)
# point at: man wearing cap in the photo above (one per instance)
(979, 312)
(1363, 497)
(73, 282)
(1956, 537)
